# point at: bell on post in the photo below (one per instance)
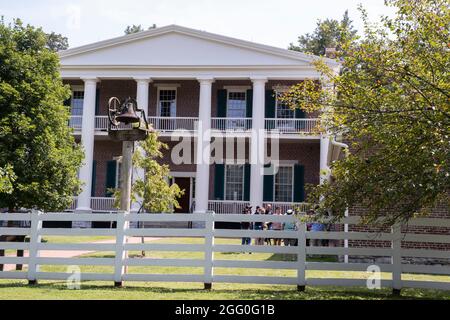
(128, 112)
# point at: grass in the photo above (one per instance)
(17, 289)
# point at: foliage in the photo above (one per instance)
(57, 42)
(35, 140)
(154, 191)
(391, 103)
(137, 28)
(329, 33)
(7, 177)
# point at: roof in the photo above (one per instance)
(248, 46)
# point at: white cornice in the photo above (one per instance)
(199, 34)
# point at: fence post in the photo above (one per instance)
(301, 257)
(209, 243)
(121, 254)
(35, 239)
(396, 259)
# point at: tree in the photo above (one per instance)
(137, 28)
(57, 42)
(6, 179)
(392, 105)
(35, 140)
(156, 193)
(329, 33)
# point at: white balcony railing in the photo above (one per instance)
(171, 124)
(227, 207)
(235, 207)
(231, 124)
(291, 125)
(102, 204)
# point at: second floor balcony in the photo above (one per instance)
(170, 125)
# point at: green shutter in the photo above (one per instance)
(222, 103)
(247, 182)
(300, 114)
(299, 183)
(94, 177)
(249, 111)
(219, 181)
(97, 102)
(270, 104)
(268, 187)
(111, 167)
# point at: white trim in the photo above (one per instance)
(237, 88)
(167, 85)
(182, 174)
(158, 107)
(77, 87)
(198, 34)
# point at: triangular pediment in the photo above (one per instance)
(179, 46)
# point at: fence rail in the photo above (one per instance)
(120, 262)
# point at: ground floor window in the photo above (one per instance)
(284, 183)
(234, 182)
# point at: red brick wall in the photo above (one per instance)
(104, 151)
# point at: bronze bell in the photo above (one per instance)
(128, 113)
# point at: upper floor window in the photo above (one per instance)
(236, 105)
(282, 110)
(167, 101)
(77, 103)
(284, 183)
(234, 182)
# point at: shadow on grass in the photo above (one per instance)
(311, 293)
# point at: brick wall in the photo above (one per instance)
(104, 151)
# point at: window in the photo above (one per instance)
(283, 111)
(77, 103)
(284, 184)
(167, 102)
(237, 105)
(234, 182)
(236, 109)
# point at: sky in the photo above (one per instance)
(272, 22)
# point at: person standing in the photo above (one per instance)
(258, 225)
(290, 226)
(277, 226)
(246, 225)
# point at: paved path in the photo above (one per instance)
(73, 253)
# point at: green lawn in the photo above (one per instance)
(16, 289)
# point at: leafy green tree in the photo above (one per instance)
(154, 191)
(329, 33)
(57, 42)
(392, 106)
(35, 140)
(137, 28)
(6, 179)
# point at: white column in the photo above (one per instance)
(324, 145)
(87, 142)
(142, 101)
(203, 146)
(257, 143)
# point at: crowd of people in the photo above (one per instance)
(278, 226)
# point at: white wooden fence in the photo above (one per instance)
(209, 263)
